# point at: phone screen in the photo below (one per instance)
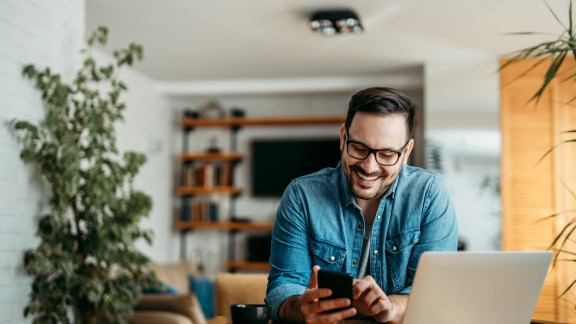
(339, 282)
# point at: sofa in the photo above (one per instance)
(180, 308)
(184, 308)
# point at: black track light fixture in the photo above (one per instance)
(332, 22)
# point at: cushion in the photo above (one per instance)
(186, 305)
(203, 288)
(175, 274)
(234, 288)
(164, 289)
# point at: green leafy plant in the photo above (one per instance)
(86, 268)
(555, 52)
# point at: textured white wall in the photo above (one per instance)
(46, 33)
(462, 118)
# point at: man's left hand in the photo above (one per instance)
(371, 301)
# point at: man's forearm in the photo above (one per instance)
(290, 310)
(399, 303)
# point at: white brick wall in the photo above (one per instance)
(46, 33)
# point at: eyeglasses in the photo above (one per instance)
(386, 157)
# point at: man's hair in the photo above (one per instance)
(383, 101)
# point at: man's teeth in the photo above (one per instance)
(364, 177)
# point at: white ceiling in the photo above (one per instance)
(219, 40)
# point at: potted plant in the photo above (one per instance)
(85, 267)
(554, 53)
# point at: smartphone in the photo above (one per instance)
(339, 282)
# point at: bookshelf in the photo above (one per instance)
(219, 168)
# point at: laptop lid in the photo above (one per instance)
(477, 287)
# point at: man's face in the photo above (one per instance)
(367, 179)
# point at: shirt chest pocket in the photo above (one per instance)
(398, 252)
(328, 255)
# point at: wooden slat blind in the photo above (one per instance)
(532, 190)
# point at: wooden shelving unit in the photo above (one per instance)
(231, 157)
(196, 191)
(188, 159)
(269, 121)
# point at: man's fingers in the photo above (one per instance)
(315, 312)
(312, 295)
(313, 283)
(362, 286)
(333, 317)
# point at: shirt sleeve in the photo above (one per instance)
(290, 260)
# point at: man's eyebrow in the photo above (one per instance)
(376, 149)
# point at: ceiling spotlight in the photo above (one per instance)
(330, 22)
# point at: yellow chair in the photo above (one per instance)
(238, 288)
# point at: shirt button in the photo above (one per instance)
(378, 217)
(394, 248)
(354, 262)
(332, 258)
(359, 226)
(375, 251)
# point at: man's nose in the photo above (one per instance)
(369, 164)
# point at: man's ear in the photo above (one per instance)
(342, 137)
(408, 151)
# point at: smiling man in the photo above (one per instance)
(372, 217)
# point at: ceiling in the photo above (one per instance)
(219, 40)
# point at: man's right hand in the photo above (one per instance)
(309, 309)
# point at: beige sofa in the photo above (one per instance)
(185, 308)
(170, 309)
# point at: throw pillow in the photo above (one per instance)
(164, 289)
(203, 288)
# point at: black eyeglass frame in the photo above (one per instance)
(374, 151)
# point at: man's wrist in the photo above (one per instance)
(399, 303)
(290, 310)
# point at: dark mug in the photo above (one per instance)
(250, 313)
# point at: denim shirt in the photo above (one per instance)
(319, 223)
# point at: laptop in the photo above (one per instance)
(477, 287)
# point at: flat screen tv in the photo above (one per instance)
(275, 162)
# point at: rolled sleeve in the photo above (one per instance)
(290, 262)
(276, 297)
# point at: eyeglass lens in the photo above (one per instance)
(361, 152)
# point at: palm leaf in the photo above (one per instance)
(565, 251)
(550, 74)
(558, 19)
(570, 27)
(555, 215)
(547, 152)
(567, 289)
(557, 49)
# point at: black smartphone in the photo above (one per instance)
(339, 282)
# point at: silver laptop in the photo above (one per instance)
(477, 287)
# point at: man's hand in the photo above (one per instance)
(371, 301)
(307, 308)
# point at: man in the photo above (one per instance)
(372, 216)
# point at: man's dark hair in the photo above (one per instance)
(383, 101)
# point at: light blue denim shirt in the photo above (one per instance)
(319, 223)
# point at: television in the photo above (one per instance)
(276, 162)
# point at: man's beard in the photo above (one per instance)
(358, 192)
